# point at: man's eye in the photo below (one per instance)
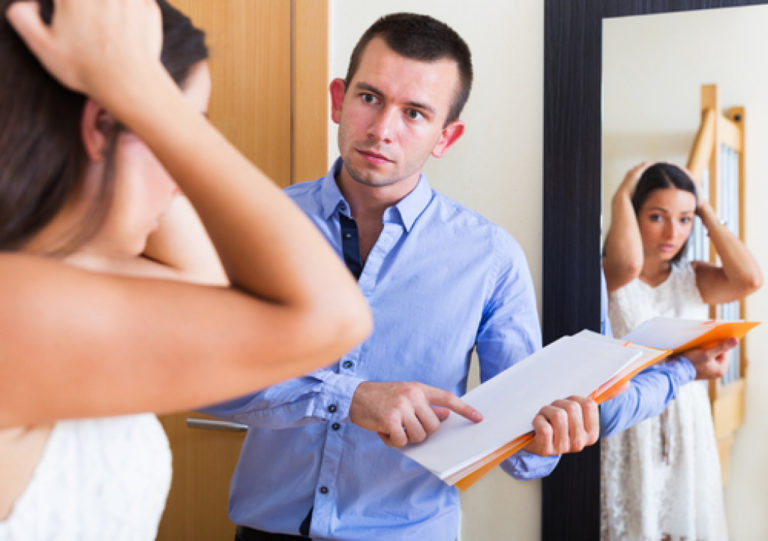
(655, 217)
(413, 114)
(369, 98)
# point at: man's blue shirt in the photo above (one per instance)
(440, 281)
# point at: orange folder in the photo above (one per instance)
(600, 395)
(720, 330)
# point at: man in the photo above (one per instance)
(441, 280)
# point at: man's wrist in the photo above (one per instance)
(681, 369)
(335, 400)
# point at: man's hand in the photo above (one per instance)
(404, 412)
(711, 362)
(565, 426)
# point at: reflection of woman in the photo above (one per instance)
(661, 478)
(80, 192)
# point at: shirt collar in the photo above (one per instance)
(330, 195)
(404, 212)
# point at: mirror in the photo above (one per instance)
(572, 217)
(652, 72)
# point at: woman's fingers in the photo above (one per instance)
(91, 45)
(25, 18)
(633, 175)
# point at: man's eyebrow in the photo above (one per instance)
(415, 104)
(369, 87)
(423, 106)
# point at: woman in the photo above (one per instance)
(89, 327)
(661, 478)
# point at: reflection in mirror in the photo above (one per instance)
(654, 69)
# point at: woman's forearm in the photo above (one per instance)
(738, 264)
(623, 254)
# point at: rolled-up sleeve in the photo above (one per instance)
(648, 395)
(320, 396)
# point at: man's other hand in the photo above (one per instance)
(565, 426)
(711, 362)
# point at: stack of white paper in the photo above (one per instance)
(572, 365)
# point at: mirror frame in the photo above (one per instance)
(572, 205)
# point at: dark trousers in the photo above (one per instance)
(244, 533)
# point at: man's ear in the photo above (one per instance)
(338, 88)
(96, 128)
(449, 135)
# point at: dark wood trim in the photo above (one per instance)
(571, 288)
(572, 209)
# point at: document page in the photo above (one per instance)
(572, 365)
(680, 334)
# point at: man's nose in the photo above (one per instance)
(385, 124)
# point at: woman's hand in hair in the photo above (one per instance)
(702, 197)
(92, 46)
(627, 187)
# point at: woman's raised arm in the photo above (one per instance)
(77, 343)
(623, 251)
(739, 274)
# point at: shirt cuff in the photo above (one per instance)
(681, 370)
(524, 465)
(336, 397)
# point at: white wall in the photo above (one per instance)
(653, 69)
(495, 169)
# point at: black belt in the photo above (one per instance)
(244, 533)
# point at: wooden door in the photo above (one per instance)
(269, 97)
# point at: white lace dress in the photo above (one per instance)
(97, 479)
(661, 478)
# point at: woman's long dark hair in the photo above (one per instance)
(42, 157)
(661, 176)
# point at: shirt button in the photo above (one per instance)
(347, 236)
(323, 490)
(335, 426)
(332, 408)
(343, 206)
(347, 364)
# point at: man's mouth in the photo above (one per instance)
(374, 157)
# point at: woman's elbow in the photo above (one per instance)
(631, 269)
(621, 273)
(755, 281)
(340, 324)
(352, 323)
(746, 285)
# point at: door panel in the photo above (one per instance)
(203, 462)
(250, 59)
